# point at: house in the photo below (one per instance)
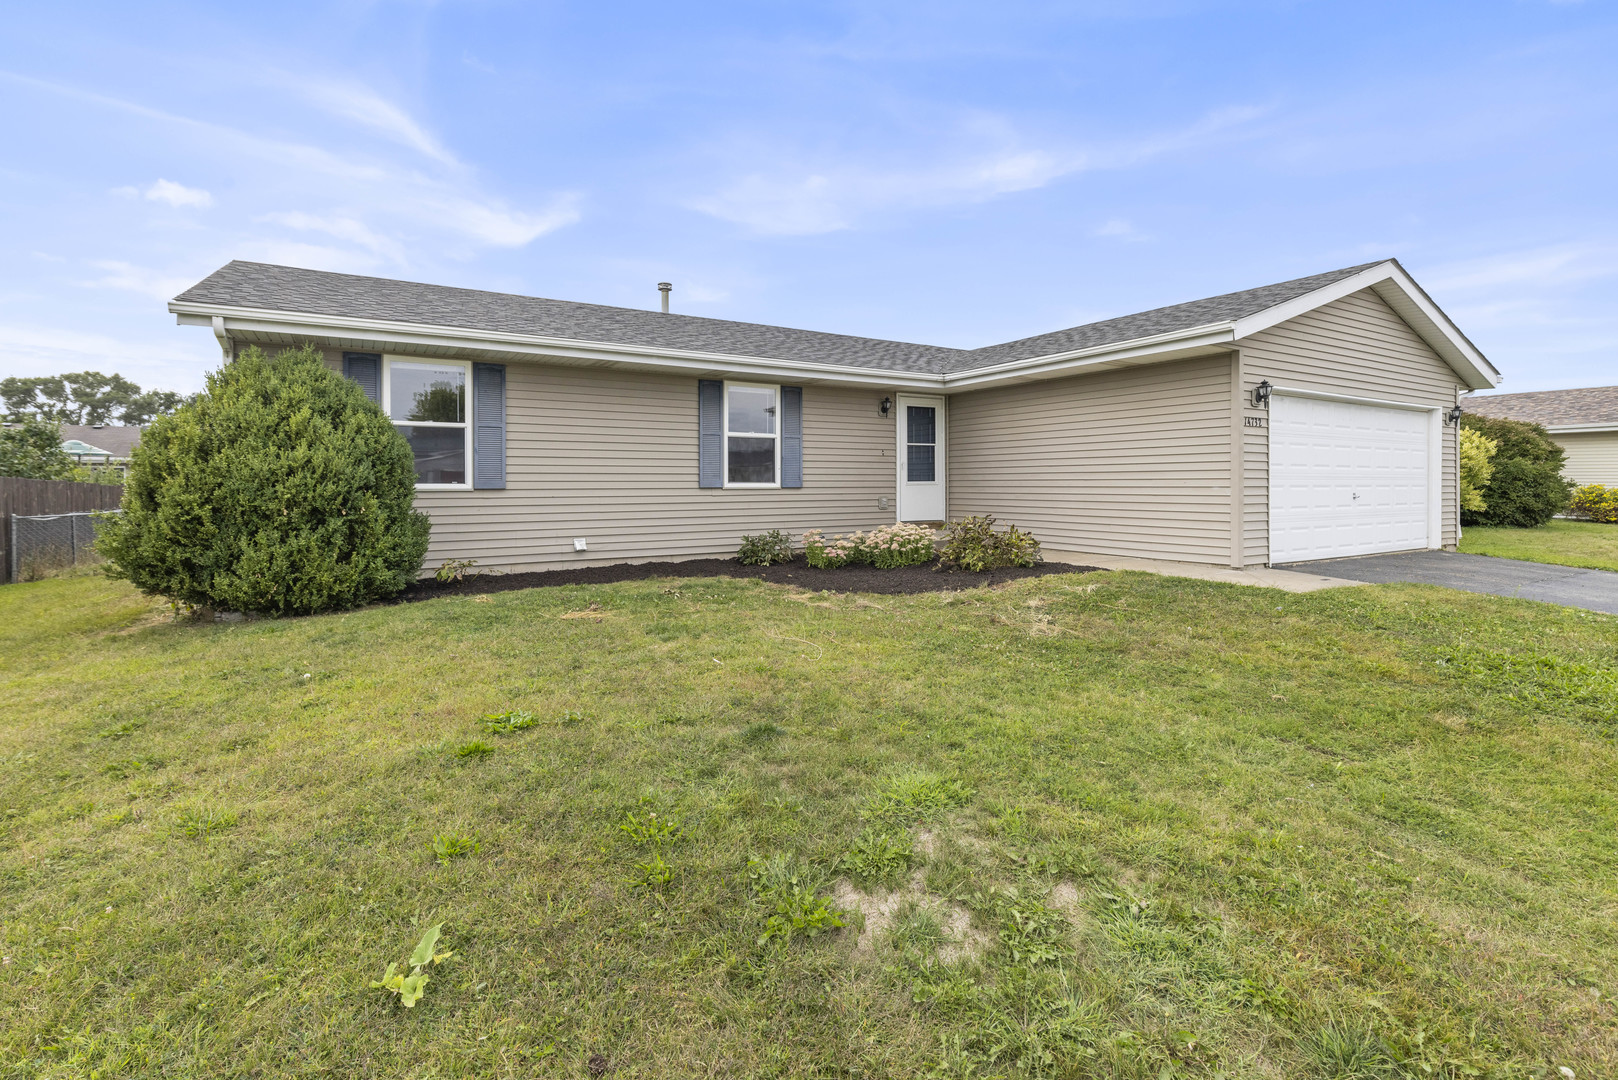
(1310, 419)
(1584, 422)
(100, 444)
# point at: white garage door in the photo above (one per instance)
(1346, 479)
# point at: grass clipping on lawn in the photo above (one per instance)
(1080, 825)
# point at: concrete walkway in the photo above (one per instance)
(1593, 590)
(1288, 580)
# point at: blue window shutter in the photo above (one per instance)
(488, 426)
(792, 436)
(366, 369)
(710, 433)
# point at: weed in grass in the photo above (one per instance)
(1351, 1052)
(916, 796)
(1032, 932)
(411, 987)
(124, 768)
(196, 821)
(1547, 683)
(879, 856)
(919, 929)
(650, 829)
(121, 731)
(571, 718)
(475, 749)
(653, 876)
(791, 899)
(449, 846)
(507, 722)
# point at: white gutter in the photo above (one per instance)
(1558, 429)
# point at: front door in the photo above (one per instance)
(921, 458)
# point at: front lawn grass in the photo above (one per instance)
(1105, 825)
(1567, 543)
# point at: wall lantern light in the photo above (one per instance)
(887, 405)
(1261, 393)
(1453, 416)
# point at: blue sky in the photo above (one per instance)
(953, 173)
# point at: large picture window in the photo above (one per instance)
(752, 435)
(427, 402)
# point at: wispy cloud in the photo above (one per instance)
(138, 279)
(838, 195)
(364, 106)
(1559, 264)
(167, 191)
(400, 203)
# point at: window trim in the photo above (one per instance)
(775, 389)
(387, 408)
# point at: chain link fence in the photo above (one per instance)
(43, 543)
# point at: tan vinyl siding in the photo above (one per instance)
(612, 457)
(1127, 462)
(1592, 456)
(1356, 346)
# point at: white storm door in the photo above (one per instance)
(1349, 479)
(921, 458)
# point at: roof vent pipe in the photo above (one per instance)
(665, 288)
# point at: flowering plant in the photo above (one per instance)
(890, 546)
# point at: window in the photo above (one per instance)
(427, 402)
(921, 444)
(752, 435)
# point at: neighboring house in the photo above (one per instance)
(1583, 421)
(100, 444)
(1303, 420)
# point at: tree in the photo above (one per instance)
(1477, 452)
(33, 448)
(281, 489)
(1526, 489)
(85, 397)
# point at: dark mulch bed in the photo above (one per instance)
(907, 579)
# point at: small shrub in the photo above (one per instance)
(974, 545)
(1526, 489)
(790, 899)
(830, 554)
(1594, 502)
(410, 987)
(886, 548)
(765, 549)
(32, 447)
(454, 570)
(1477, 466)
(507, 722)
(880, 856)
(449, 846)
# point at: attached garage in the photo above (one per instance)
(1352, 478)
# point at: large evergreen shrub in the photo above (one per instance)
(1526, 489)
(281, 490)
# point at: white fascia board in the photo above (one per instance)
(1558, 429)
(1408, 300)
(295, 324)
(1075, 361)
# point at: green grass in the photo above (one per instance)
(1567, 543)
(1133, 827)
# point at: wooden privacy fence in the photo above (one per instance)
(23, 498)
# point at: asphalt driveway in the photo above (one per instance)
(1594, 590)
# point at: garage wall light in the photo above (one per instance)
(887, 404)
(1453, 416)
(1261, 393)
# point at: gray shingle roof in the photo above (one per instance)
(288, 289)
(116, 439)
(1586, 405)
